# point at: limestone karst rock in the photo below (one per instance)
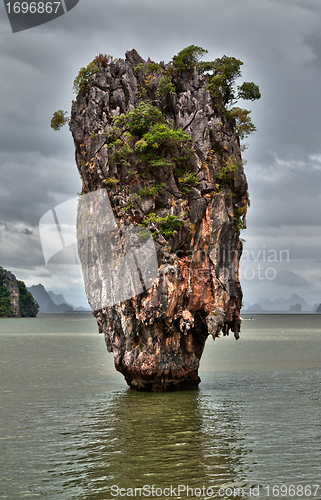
(15, 300)
(173, 166)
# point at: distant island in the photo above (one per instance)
(294, 305)
(15, 299)
(52, 303)
(19, 301)
(318, 309)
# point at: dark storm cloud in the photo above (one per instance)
(280, 45)
(15, 243)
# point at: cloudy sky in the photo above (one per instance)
(279, 42)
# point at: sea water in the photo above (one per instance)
(70, 429)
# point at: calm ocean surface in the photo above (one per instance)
(70, 429)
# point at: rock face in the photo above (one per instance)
(158, 336)
(15, 300)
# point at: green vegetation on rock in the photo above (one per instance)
(166, 226)
(239, 217)
(226, 173)
(149, 191)
(81, 82)
(166, 87)
(243, 123)
(160, 139)
(189, 58)
(5, 300)
(144, 132)
(139, 120)
(27, 304)
(59, 119)
(223, 73)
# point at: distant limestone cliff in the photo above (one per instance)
(15, 300)
(295, 304)
(46, 304)
(164, 142)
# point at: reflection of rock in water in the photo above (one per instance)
(140, 439)
(190, 192)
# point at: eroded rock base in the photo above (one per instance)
(168, 385)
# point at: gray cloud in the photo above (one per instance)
(285, 192)
(291, 279)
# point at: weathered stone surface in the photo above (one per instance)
(158, 336)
